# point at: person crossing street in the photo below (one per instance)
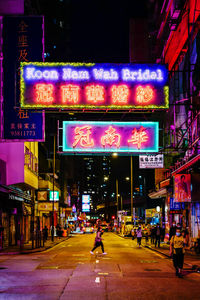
(98, 241)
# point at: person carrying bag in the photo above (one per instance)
(98, 242)
(177, 252)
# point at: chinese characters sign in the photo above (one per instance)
(182, 188)
(93, 86)
(22, 42)
(151, 161)
(121, 137)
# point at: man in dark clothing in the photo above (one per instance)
(158, 232)
(172, 230)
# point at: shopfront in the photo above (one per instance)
(15, 217)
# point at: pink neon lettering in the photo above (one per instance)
(83, 137)
(70, 93)
(44, 93)
(111, 137)
(119, 94)
(95, 93)
(144, 94)
(138, 137)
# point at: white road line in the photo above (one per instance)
(97, 280)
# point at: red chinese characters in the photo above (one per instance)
(70, 94)
(119, 94)
(111, 138)
(95, 93)
(83, 137)
(138, 137)
(44, 93)
(144, 94)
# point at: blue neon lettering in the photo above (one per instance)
(142, 75)
(35, 74)
(70, 74)
(101, 74)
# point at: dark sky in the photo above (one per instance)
(100, 29)
(95, 30)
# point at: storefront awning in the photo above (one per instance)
(158, 194)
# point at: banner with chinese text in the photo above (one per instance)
(22, 42)
(122, 137)
(93, 86)
(151, 161)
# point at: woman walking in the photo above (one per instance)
(139, 236)
(98, 241)
(177, 251)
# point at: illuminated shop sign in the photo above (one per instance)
(93, 86)
(54, 196)
(151, 161)
(85, 203)
(121, 137)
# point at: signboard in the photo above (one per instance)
(47, 206)
(93, 86)
(85, 203)
(97, 137)
(42, 195)
(182, 188)
(151, 161)
(176, 205)
(54, 196)
(22, 42)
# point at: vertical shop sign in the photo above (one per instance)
(23, 41)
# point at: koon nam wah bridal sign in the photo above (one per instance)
(93, 86)
(97, 137)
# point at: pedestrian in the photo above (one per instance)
(158, 233)
(133, 233)
(98, 241)
(146, 237)
(153, 235)
(172, 230)
(45, 232)
(139, 235)
(177, 252)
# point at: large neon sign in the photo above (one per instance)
(93, 86)
(106, 137)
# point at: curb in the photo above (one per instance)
(194, 267)
(33, 250)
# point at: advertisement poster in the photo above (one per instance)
(182, 188)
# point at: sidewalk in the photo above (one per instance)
(14, 250)
(191, 258)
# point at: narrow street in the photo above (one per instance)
(69, 271)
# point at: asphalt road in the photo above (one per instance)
(69, 271)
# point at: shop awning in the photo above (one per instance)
(158, 194)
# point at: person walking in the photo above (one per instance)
(172, 230)
(139, 235)
(177, 252)
(98, 241)
(158, 233)
(153, 234)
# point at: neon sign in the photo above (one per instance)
(93, 86)
(122, 137)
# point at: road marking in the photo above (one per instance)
(97, 280)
